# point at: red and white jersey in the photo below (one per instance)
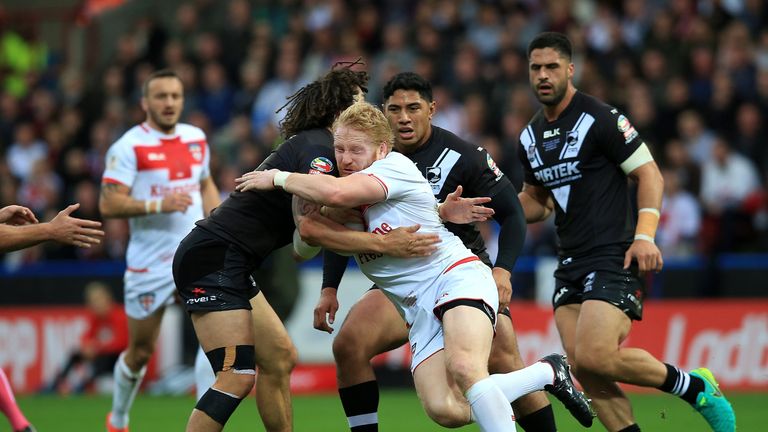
(153, 165)
(409, 201)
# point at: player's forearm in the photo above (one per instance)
(23, 236)
(321, 189)
(321, 231)
(510, 215)
(210, 194)
(533, 209)
(113, 204)
(650, 189)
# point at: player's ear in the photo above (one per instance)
(432, 106)
(144, 104)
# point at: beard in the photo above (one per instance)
(162, 123)
(557, 95)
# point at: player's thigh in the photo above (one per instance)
(373, 325)
(601, 328)
(505, 354)
(143, 333)
(227, 328)
(566, 320)
(271, 337)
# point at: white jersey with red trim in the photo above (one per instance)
(409, 202)
(153, 165)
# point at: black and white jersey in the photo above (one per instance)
(447, 161)
(576, 158)
(262, 221)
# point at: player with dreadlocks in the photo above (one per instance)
(213, 265)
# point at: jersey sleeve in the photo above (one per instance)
(393, 175)
(481, 176)
(618, 138)
(301, 156)
(120, 165)
(206, 166)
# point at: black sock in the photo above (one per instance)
(361, 403)
(542, 420)
(682, 384)
(632, 428)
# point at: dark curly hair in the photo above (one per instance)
(318, 103)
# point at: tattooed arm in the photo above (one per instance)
(116, 201)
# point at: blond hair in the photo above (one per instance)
(364, 117)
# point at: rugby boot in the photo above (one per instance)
(712, 404)
(564, 390)
(111, 428)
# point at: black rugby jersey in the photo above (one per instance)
(447, 161)
(576, 158)
(262, 221)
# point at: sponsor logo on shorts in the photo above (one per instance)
(321, 164)
(197, 291)
(567, 261)
(203, 299)
(410, 299)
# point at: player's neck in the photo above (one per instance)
(165, 131)
(552, 112)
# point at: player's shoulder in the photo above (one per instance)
(188, 132)
(596, 107)
(447, 139)
(134, 136)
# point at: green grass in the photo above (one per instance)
(400, 411)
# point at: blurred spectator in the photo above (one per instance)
(26, 150)
(106, 336)
(680, 221)
(698, 140)
(728, 179)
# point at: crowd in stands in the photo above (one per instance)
(692, 77)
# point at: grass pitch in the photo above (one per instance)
(400, 411)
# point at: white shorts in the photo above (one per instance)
(146, 292)
(468, 281)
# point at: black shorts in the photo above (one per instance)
(212, 274)
(599, 278)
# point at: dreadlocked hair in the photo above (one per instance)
(318, 103)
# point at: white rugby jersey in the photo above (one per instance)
(153, 164)
(409, 201)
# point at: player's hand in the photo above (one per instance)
(256, 180)
(325, 311)
(405, 242)
(647, 255)
(175, 202)
(77, 232)
(503, 279)
(17, 215)
(464, 210)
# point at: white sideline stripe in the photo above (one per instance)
(363, 419)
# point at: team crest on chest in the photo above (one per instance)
(196, 150)
(434, 174)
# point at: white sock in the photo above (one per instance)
(489, 408)
(127, 384)
(204, 376)
(524, 381)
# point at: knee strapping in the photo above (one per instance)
(218, 405)
(240, 359)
